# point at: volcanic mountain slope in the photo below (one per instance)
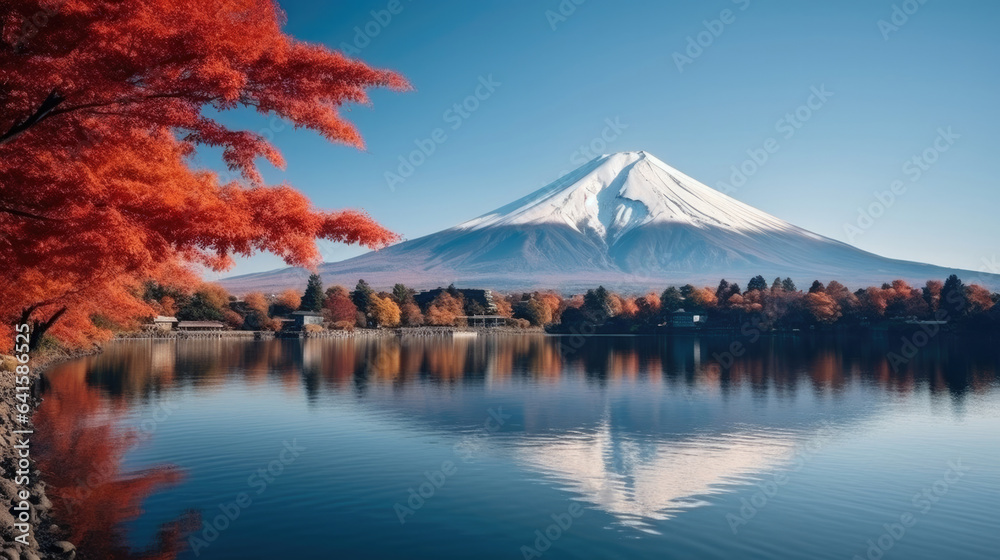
(626, 220)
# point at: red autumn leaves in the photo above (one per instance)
(101, 105)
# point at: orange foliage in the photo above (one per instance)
(704, 297)
(168, 306)
(822, 307)
(289, 298)
(629, 307)
(259, 308)
(444, 310)
(384, 311)
(649, 305)
(615, 304)
(102, 106)
(553, 305)
(504, 307)
(338, 307)
(410, 315)
(979, 298)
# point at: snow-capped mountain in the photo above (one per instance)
(625, 220)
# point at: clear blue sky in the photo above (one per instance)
(616, 60)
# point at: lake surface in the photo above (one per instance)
(526, 446)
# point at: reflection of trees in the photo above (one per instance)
(775, 364)
(79, 447)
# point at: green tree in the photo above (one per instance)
(686, 291)
(312, 299)
(757, 283)
(953, 297)
(598, 301)
(722, 292)
(671, 300)
(206, 304)
(818, 287)
(776, 285)
(402, 295)
(362, 296)
(787, 285)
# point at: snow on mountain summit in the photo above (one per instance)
(625, 220)
(614, 193)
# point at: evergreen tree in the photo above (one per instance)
(726, 290)
(312, 299)
(362, 296)
(788, 285)
(722, 292)
(402, 295)
(757, 283)
(598, 301)
(816, 287)
(671, 300)
(953, 297)
(776, 285)
(686, 291)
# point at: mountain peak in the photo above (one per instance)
(614, 193)
(624, 220)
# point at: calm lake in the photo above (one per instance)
(526, 446)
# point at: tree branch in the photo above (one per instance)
(25, 214)
(44, 111)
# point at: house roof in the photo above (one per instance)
(164, 319)
(308, 313)
(195, 324)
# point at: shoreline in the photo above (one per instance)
(46, 538)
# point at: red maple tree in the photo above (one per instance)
(103, 102)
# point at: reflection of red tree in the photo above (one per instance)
(79, 446)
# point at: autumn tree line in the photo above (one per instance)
(781, 305)
(767, 306)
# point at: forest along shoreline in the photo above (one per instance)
(44, 539)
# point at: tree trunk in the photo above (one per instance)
(39, 328)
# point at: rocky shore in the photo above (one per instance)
(46, 539)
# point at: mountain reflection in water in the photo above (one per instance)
(644, 430)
